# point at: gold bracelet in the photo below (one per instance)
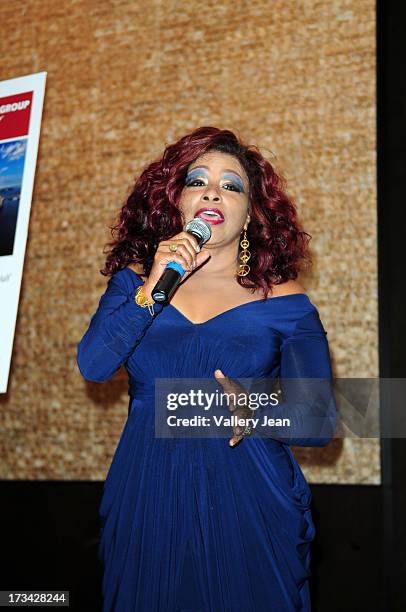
(142, 300)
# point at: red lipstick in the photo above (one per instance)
(211, 215)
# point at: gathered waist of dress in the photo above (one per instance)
(141, 389)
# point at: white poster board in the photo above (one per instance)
(21, 102)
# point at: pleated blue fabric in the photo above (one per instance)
(193, 525)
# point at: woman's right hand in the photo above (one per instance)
(187, 255)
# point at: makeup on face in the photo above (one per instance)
(233, 176)
(194, 173)
(230, 175)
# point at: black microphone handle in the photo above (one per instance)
(165, 287)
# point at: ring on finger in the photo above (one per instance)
(247, 431)
(173, 247)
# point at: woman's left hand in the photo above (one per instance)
(238, 409)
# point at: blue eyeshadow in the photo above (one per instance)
(236, 180)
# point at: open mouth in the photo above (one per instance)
(211, 215)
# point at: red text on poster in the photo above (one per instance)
(15, 114)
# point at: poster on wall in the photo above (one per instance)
(21, 101)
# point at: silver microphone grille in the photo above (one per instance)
(200, 227)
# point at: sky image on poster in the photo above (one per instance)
(12, 158)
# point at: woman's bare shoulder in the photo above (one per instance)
(291, 286)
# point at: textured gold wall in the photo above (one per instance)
(124, 78)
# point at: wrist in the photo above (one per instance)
(146, 289)
(142, 300)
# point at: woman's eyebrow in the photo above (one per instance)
(232, 172)
(224, 171)
(197, 169)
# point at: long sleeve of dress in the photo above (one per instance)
(307, 397)
(115, 330)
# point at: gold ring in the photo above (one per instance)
(173, 248)
(247, 431)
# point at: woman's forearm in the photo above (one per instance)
(115, 330)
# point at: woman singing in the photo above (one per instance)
(209, 524)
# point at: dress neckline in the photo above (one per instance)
(229, 310)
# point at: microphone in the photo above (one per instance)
(171, 276)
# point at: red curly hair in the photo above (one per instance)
(278, 245)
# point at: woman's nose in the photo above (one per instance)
(211, 195)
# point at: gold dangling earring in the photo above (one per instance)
(243, 268)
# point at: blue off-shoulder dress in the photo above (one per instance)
(193, 525)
